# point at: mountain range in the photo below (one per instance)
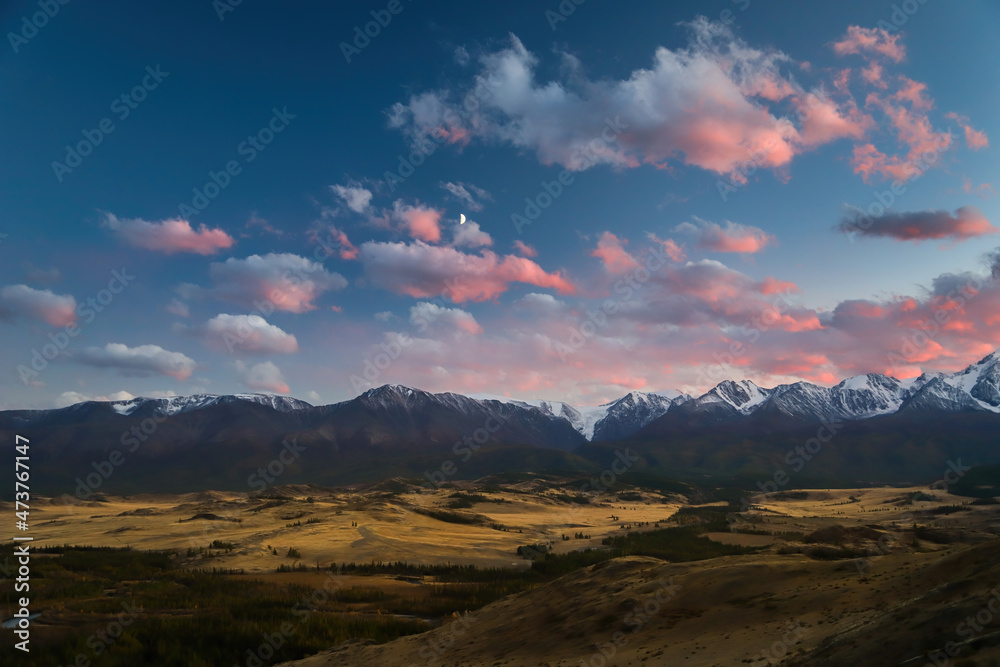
(735, 428)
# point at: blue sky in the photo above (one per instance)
(344, 124)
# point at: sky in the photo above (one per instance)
(221, 197)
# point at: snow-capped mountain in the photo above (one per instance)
(736, 427)
(165, 407)
(977, 388)
(616, 419)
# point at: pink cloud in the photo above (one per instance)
(284, 281)
(674, 250)
(774, 286)
(914, 93)
(421, 270)
(610, 250)
(824, 121)
(525, 249)
(242, 334)
(420, 222)
(732, 237)
(695, 324)
(870, 41)
(169, 236)
(984, 190)
(873, 75)
(974, 139)
(23, 301)
(707, 105)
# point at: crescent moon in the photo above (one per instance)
(461, 219)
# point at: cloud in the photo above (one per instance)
(421, 271)
(23, 301)
(169, 236)
(708, 105)
(692, 325)
(540, 302)
(469, 235)
(966, 223)
(983, 190)
(823, 120)
(524, 249)
(974, 139)
(673, 250)
(913, 129)
(243, 334)
(420, 222)
(870, 41)
(384, 316)
(263, 377)
(610, 250)
(424, 314)
(289, 282)
(68, 398)
(468, 194)
(913, 92)
(335, 243)
(178, 308)
(732, 237)
(143, 360)
(356, 197)
(256, 222)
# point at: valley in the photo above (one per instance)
(632, 576)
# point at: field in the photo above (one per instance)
(394, 575)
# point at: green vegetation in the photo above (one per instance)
(980, 482)
(467, 500)
(182, 618)
(450, 517)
